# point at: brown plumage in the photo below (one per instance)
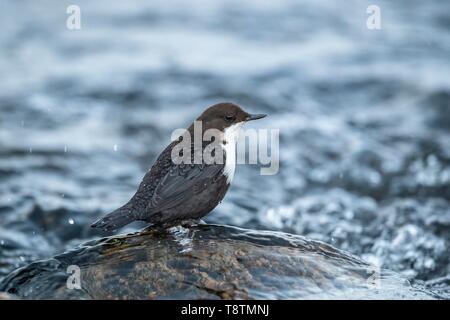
(171, 192)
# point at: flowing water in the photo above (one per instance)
(364, 119)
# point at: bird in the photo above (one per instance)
(175, 191)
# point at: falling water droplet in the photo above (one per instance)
(115, 147)
(71, 221)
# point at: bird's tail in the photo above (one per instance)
(114, 220)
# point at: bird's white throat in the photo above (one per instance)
(230, 138)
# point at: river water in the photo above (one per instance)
(364, 119)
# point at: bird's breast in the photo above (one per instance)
(230, 161)
(230, 138)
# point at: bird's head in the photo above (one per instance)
(223, 116)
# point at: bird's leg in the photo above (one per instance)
(191, 223)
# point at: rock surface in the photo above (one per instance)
(207, 262)
(5, 296)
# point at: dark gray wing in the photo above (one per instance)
(181, 183)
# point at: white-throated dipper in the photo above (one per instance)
(171, 191)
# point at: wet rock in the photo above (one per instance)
(206, 262)
(5, 296)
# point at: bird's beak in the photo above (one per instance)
(255, 116)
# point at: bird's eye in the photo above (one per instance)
(230, 117)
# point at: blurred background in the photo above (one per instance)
(364, 119)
